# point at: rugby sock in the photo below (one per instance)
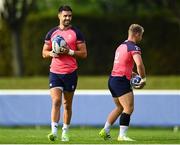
(54, 127)
(123, 130)
(65, 128)
(124, 124)
(107, 127)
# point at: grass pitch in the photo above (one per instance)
(87, 82)
(87, 135)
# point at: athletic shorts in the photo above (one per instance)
(66, 82)
(119, 86)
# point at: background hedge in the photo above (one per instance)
(160, 45)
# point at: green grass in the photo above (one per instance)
(87, 82)
(87, 135)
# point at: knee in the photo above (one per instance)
(56, 102)
(129, 109)
(67, 107)
(119, 109)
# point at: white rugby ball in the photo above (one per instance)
(57, 44)
(135, 80)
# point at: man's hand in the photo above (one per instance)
(141, 84)
(53, 54)
(133, 74)
(64, 50)
(67, 50)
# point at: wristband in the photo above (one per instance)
(71, 52)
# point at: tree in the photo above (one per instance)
(14, 13)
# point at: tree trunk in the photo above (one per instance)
(17, 61)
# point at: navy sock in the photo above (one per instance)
(124, 119)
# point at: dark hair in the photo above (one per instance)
(64, 8)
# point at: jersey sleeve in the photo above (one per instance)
(48, 36)
(135, 52)
(134, 49)
(79, 35)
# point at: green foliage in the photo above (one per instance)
(33, 39)
(5, 50)
(104, 24)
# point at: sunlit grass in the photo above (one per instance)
(87, 82)
(87, 135)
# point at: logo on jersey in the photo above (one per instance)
(137, 48)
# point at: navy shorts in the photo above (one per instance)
(119, 86)
(66, 82)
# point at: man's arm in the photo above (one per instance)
(47, 52)
(139, 64)
(140, 69)
(81, 51)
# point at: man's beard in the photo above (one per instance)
(66, 23)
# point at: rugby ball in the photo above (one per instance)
(57, 44)
(135, 80)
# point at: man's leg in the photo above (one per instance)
(67, 104)
(112, 117)
(56, 95)
(127, 102)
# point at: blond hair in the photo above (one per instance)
(135, 28)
